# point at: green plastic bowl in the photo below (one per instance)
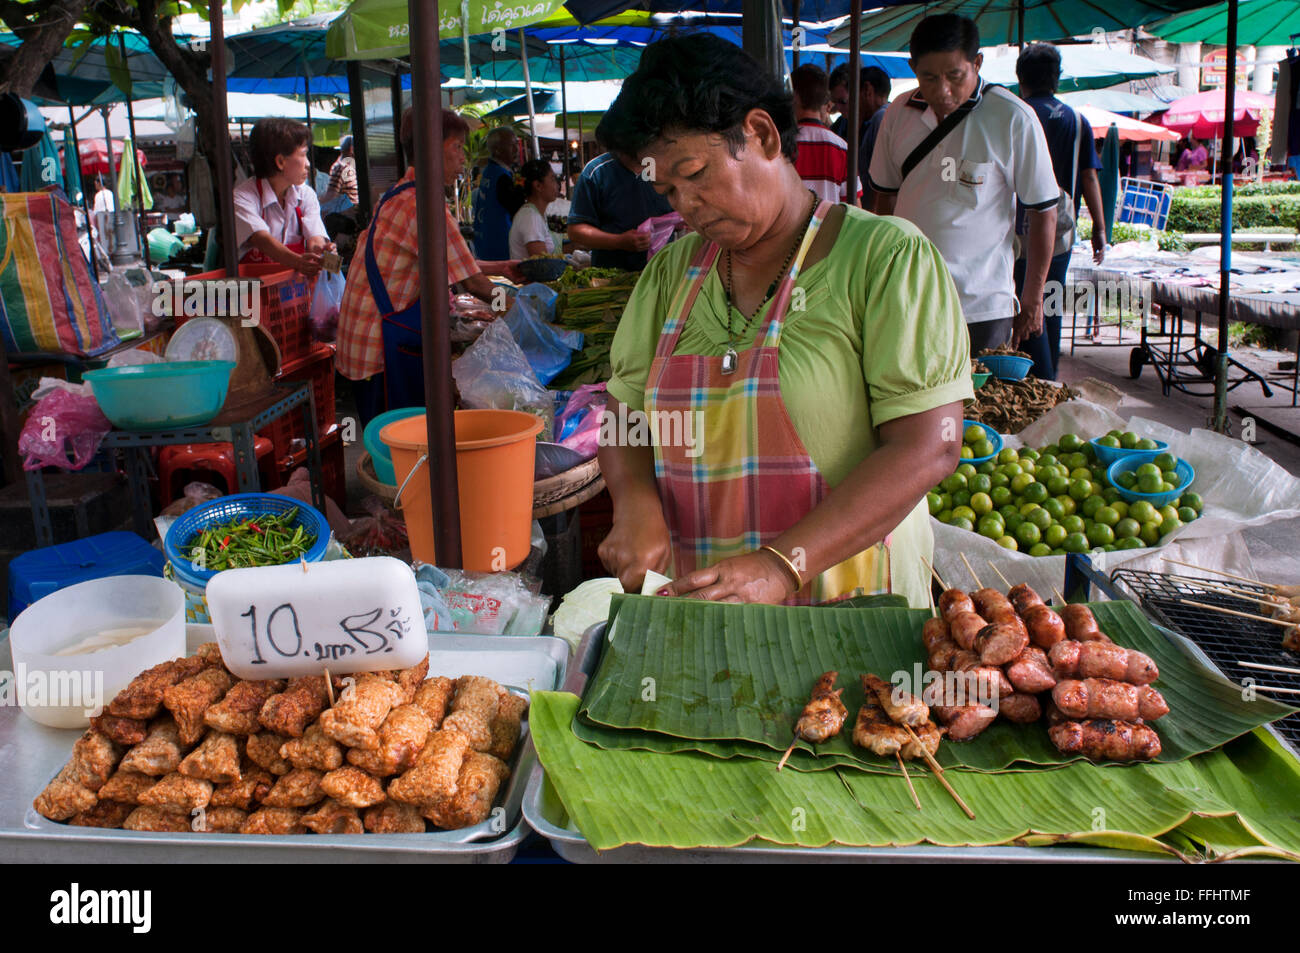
(161, 396)
(981, 379)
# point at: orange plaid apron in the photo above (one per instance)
(748, 477)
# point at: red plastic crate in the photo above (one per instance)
(318, 368)
(285, 297)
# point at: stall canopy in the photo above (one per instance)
(1113, 100)
(288, 59)
(248, 106)
(1202, 115)
(1130, 130)
(1259, 23)
(1083, 66)
(92, 70)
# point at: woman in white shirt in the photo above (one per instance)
(529, 234)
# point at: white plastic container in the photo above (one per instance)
(143, 615)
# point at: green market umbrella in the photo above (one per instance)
(1259, 23)
(40, 166)
(1109, 176)
(380, 29)
(71, 170)
(126, 186)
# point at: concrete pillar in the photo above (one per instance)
(1266, 57)
(1189, 66)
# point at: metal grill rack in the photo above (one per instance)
(1226, 639)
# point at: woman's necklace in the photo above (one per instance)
(731, 359)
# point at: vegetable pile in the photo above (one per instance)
(267, 540)
(591, 301)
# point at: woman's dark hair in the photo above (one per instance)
(275, 137)
(695, 83)
(1039, 69)
(534, 170)
(944, 33)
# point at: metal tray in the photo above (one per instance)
(31, 754)
(545, 813)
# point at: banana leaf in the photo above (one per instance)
(729, 681)
(620, 797)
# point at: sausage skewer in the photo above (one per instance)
(1005, 580)
(938, 773)
(1269, 668)
(822, 717)
(908, 778)
(971, 570)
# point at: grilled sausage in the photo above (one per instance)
(1021, 709)
(1080, 624)
(1106, 698)
(942, 654)
(999, 644)
(1046, 628)
(933, 632)
(987, 599)
(1023, 598)
(964, 722)
(954, 601)
(1072, 659)
(983, 681)
(1031, 672)
(964, 627)
(1105, 740)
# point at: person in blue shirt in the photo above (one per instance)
(494, 197)
(1039, 72)
(610, 200)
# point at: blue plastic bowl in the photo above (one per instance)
(161, 396)
(380, 455)
(1109, 455)
(1006, 367)
(240, 506)
(1131, 462)
(993, 436)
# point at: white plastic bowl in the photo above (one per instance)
(64, 691)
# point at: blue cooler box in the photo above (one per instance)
(37, 573)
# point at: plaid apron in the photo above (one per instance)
(748, 478)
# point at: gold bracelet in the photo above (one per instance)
(798, 580)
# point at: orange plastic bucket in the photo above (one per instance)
(495, 451)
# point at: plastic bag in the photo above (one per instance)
(493, 373)
(382, 533)
(63, 421)
(660, 229)
(586, 406)
(495, 603)
(123, 306)
(549, 349)
(325, 304)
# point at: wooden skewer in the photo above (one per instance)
(1059, 598)
(1244, 615)
(329, 687)
(1269, 668)
(1220, 572)
(938, 773)
(999, 572)
(1209, 584)
(788, 751)
(1275, 688)
(971, 570)
(908, 778)
(935, 573)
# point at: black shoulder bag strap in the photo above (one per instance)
(937, 135)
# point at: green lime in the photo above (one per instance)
(1080, 473)
(1020, 482)
(1193, 500)
(1090, 506)
(1147, 469)
(984, 448)
(999, 479)
(1008, 455)
(1010, 469)
(1001, 495)
(1128, 440)
(1167, 487)
(961, 523)
(1040, 549)
(1054, 535)
(1035, 493)
(1029, 454)
(1149, 484)
(991, 526)
(1070, 442)
(981, 503)
(1089, 451)
(1100, 534)
(946, 499)
(1168, 512)
(1068, 503)
(1052, 449)
(1074, 460)
(1013, 522)
(1120, 507)
(1028, 466)
(961, 498)
(944, 516)
(1106, 515)
(1040, 518)
(964, 512)
(974, 434)
(1027, 534)
(1130, 542)
(934, 501)
(1108, 441)
(1058, 485)
(1186, 514)
(1169, 525)
(1008, 510)
(1073, 524)
(1109, 494)
(1080, 490)
(981, 483)
(1127, 528)
(1146, 443)
(967, 470)
(954, 482)
(1143, 512)
(1047, 460)
(1127, 479)
(988, 467)
(1150, 533)
(1054, 509)
(1006, 542)
(966, 453)
(1075, 543)
(1165, 461)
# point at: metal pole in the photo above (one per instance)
(1220, 422)
(135, 161)
(225, 174)
(854, 127)
(528, 91)
(431, 222)
(360, 147)
(564, 118)
(1020, 25)
(403, 160)
(311, 140)
(794, 12)
(85, 200)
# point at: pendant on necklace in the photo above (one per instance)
(729, 361)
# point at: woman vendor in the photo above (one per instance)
(529, 232)
(802, 364)
(277, 216)
(379, 336)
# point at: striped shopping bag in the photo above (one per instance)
(48, 299)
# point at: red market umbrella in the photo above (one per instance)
(94, 157)
(1132, 130)
(1202, 115)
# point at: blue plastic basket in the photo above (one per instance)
(237, 507)
(1007, 367)
(1108, 455)
(994, 436)
(1185, 477)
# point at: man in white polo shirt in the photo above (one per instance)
(960, 185)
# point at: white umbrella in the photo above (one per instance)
(248, 106)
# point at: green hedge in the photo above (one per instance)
(1197, 214)
(1252, 188)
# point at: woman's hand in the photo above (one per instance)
(636, 544)
(754, 577)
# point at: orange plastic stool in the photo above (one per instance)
(213, 457)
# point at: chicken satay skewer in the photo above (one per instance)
(1276, 688)
(1244, 615)
(938, 773)
(1269, 668)
(1214, 585)
(822, 717)
(999, 572)
(971, 570)
(1220, 572)
(908, 778)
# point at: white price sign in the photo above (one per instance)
(345, 615)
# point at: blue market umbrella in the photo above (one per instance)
(40, 166)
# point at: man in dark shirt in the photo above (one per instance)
(873, 100)
(610, 200)
(1075, 162)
